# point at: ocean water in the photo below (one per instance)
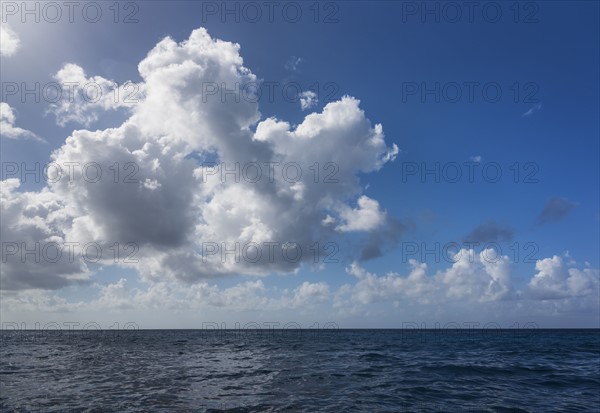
(302, 370)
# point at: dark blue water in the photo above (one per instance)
(311, 371)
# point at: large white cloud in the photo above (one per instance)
(156, 191)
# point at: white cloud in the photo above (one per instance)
(554, 280)
(478, 283)
(173, 208)
(484, 276)
(472, 277)
(366, 217)
(118, 296)
(308, 99)
(8, 128)
(475, 279)
(114, 296)
(308, 293)
(10, 41)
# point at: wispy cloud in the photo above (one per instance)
(292, 63)
(533, 109)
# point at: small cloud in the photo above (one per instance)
(308, 99)
(8, 128)
(152, 184)
(554, 210)
(367, 216)
(476, 158)
(10, 41)
(328, 220)
(533, 109)
(490, 231)
(292, 63)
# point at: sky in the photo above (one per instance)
(300, 164)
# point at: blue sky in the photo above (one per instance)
(518, 96)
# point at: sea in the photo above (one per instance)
(274, 370)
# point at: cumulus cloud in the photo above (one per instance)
(554, 280)
(10, 41)
(490, 231)
(365, 217)
(554, 210)
(477, 277)
(157, 192)
(483, 281)
(474, 278)
(8, 128)
(309, 293)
